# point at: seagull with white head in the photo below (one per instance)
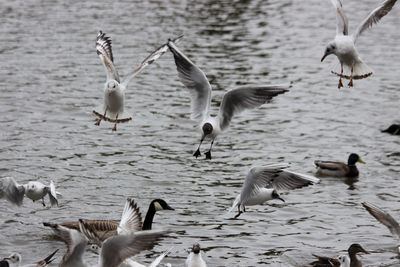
(344, 45)
(233, 102)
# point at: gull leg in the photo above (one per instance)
(197, 152)
(44, 205)
(208, 153)
(239, 212)
(98, 120)
(351, 78)
(340, 85)
(115, 124)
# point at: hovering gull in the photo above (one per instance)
(91, 235)
(194, 259)
(107, 228)
(384, 218)
(114, 250)
(14, 192)
(349, 260)
(343, 46)
(114, 89)
(14, 260)
(233, 102)
(261, 184)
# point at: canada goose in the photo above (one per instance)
(233, 102)
(339, 169)
(107, 228)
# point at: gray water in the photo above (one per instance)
(51, 79)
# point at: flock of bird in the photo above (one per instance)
(116, 241)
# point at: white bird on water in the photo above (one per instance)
(114, 250)
(114, 89)
(15, 259)
(15, 192)
(343, 46)
(233, 102)
(261, 184)
(194, 259)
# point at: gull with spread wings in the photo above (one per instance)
(233, 102)
(114, 88)
(261, 184)
(343, 46)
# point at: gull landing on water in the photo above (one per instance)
(261, 184)
(343, 46)
(233, 102)
(114, 89)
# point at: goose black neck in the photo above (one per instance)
(148, 220)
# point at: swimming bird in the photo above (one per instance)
(384, 218)
(393, 129)
(194, 259)
(344, 261)
(233, 102)
(107, 228)
(343, 46)
(339, 169)
(114, 250)
(15, 259)
(15, 192)
(114, 89)
(261, 184)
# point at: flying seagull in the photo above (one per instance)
(344, 45)
(114, 88)
(233, 102)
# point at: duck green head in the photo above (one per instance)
(354, 158)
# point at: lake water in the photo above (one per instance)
(51, 79)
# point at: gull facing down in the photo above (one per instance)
(15, 192)
(233, 102)
(261, 184)
(114, 88)
(343, 46)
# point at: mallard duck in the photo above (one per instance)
(339, 169)
(343, 261)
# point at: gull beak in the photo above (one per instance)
(361, 161)
(325, 55)
(281, 199)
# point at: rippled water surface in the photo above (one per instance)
(51, 79)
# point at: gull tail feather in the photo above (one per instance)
(360, 71)
(235, 204)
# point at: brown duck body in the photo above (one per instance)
(336, 169)
(323, 261)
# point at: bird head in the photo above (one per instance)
(354, 158)
(13, 258)
(330, 49)
(196, 248)
(275, 195)
(160, 204)
(356, 248)
(207, 128)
